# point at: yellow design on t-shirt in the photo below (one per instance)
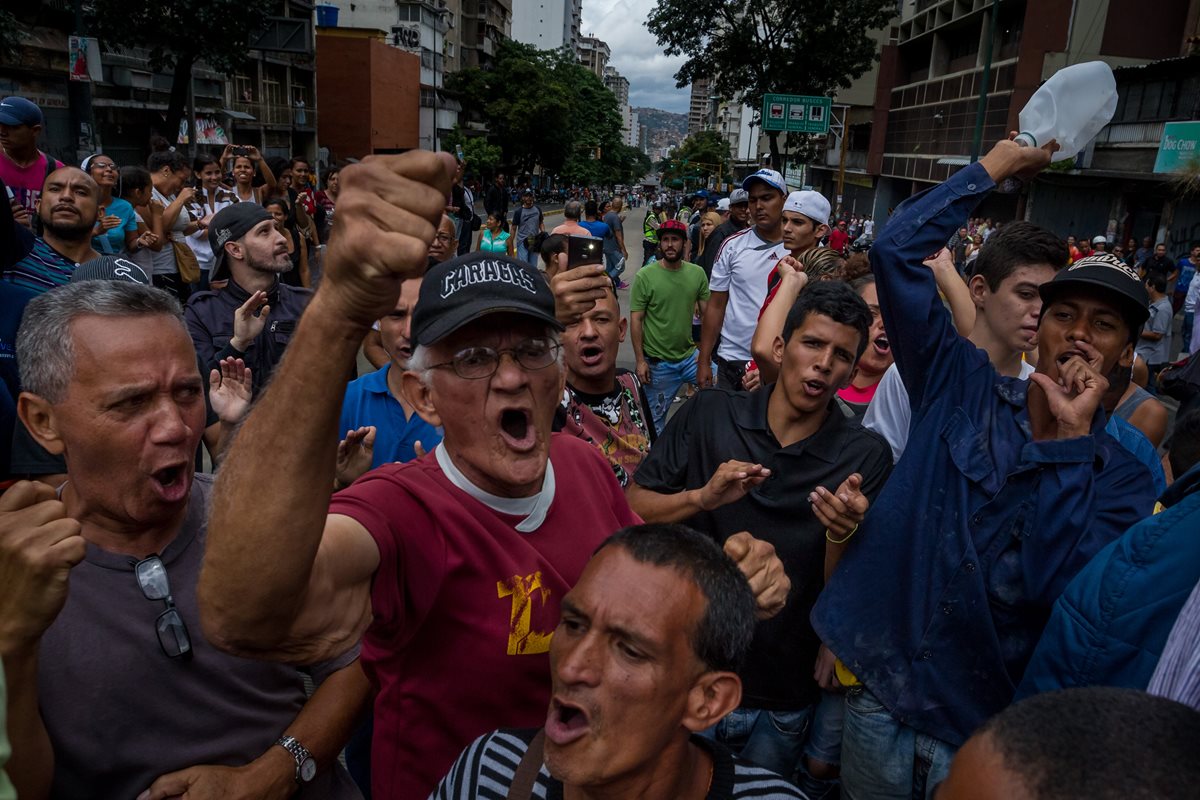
(521, 640)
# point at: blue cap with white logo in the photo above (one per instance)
(768, 176)
(19, 111)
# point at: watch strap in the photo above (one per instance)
(298, 751)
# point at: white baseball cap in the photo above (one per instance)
(1099, 239)
(723, 204)
(811, 204)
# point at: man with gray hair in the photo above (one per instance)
(98, 582)
(572, 213)
(456, 563)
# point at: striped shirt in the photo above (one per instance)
(1177, 676)
(41, 269)
(486, 768)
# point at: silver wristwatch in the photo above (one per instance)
(306, 765)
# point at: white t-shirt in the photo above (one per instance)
(869, 228)
(889, 413)
(742, 268)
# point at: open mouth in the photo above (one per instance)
(171, 482)
(516, 426)
(815, 388)
(404, 352)
(566, 723)
(591, 354)
(882, 346)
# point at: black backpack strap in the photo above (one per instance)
(527, 771)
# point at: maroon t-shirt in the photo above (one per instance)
(464, 605)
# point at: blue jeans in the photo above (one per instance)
(665, 379)
(1189, 320)
(883, 759)
(530, 257)
(612, 265)
(772, 739)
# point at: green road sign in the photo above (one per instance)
(796, 113)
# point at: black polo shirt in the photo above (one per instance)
(717, 426)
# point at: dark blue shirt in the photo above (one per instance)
(368, 402)
(942, 595)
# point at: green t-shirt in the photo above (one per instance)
(668, 298)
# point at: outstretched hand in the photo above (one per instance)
(730, 483)
(230, 390)
(840, 511)
(354, 454)
(249, 321)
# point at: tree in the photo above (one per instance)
(748, 48)
(699, 156)
(480, 154)
(541, 107)
(178, 34)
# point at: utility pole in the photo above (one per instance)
(981, 108)
(79, 97)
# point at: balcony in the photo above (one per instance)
(278, 114)
(1143, 134)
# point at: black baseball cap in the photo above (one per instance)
(474, 285)
(1107, 272)
(230, 224)
(110, 268)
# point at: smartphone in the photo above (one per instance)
(584, 250)
(239, 150)
(459, 152)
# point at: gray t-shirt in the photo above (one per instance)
(1161, 315)
(613, 220)
(529, 220)
(120, 713)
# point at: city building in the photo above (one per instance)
(481, 26)
(424, 28)
(1130, 183)
(700, 109)
(274, 95)
(936, 76)
(370, 94)
(548, 24)
(632, 131)
(594, 54)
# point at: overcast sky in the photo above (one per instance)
(635, 53)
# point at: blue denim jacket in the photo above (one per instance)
(942, 595)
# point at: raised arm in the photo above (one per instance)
(954, 289)
(770, 325)
(926, 345)
(279, 577)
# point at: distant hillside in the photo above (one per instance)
(663, 128)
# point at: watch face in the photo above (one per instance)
(308, 770)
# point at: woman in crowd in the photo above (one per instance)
(135, 188)
(705, 255)
(494, 239)
(327, 199)
(116, 228)
(246, 165)
(211, 196)
(876, 359)
(168, 172)
(298, 274)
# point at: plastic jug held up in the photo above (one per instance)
(1071, 107)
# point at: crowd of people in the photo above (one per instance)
(921, 526)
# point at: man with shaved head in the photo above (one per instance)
(67, 208)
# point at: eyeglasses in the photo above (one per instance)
(444, 237)
(475, 363)
(172, 630)
(104, 165)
